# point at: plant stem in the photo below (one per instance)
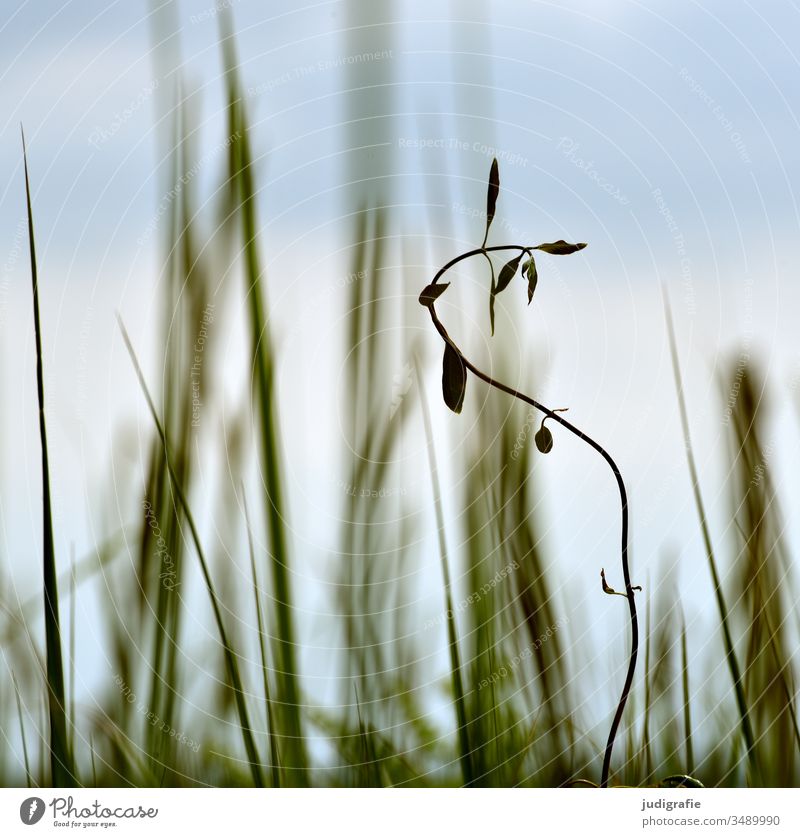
(623, 495)
(730, 653)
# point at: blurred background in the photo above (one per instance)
(261, 192)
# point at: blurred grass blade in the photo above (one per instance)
(60, 758)
(687, 709)
(231, 660)
(72, 606)
(730, 654)
(242, 182)
(452, 632)
(28, 775)
(262, 646)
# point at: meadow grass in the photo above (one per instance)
(513, 702)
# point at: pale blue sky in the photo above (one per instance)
(665, 134)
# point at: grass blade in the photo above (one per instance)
(72, 597)
(687, 710)
(730, 654)
(242, 181)
(273, 742)
(28, 775)
(60, 757)
(465, 753)
(228, 651)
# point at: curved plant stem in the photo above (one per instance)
(623, 495)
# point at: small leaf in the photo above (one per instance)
(431, 293)
(606, 589)
(491, 195)
(559, 248)
(454, 379)
(508, 272)
(544, 439)
(492, 294)
(533, 278)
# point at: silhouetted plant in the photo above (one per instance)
(454, 384)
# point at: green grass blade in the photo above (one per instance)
(262, 645)
(730, 654)
(465, 753)
(687, 709)
(231, 660)
(242, 180)
(646, 748)
(28, 775)
(60, 757)
(72, 598)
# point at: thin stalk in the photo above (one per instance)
(228, 651)
(273, 743)
(648, 759)
(60, 757)
(28, 775)
(687, 711)
(72, 597)
(467, 770)
(623, 495)
(730, 654)
(242, 181)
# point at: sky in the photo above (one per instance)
(665, 135)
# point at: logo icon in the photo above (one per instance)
(31, 810)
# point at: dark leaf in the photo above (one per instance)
(492, 193)
(559, 248)
(431, 293)
(606, 589)
(544, 439)
(454, 379)
(492, 292)
(508, 272)
(533, 278)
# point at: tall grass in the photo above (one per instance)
(724, 614)
(472, 696)
(242, 174)
(61, 767)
